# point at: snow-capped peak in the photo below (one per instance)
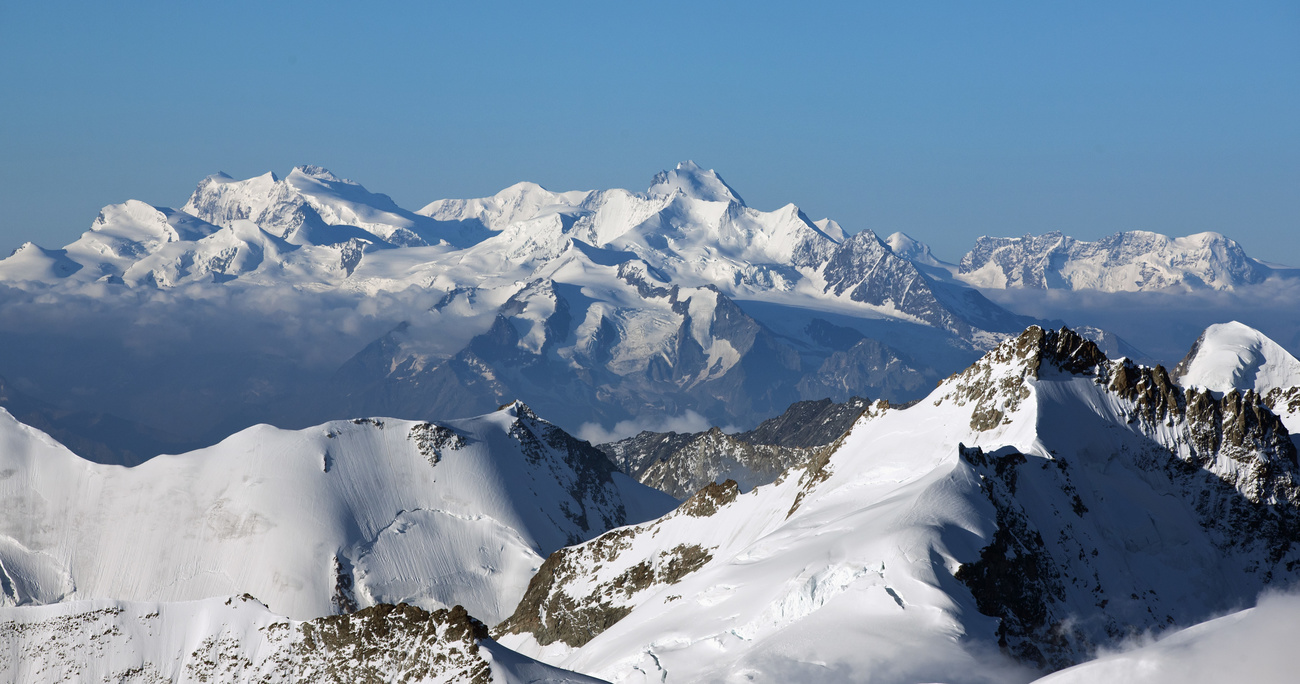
(1233, 355)
(693, 181)
(319, 173)
(904, 245)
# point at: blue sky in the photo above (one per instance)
(947, 120)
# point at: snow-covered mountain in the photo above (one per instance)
(238, 639)
(1132, 261)
(598, 307)
(1044, 502)
(1232, 356)
(328, 519)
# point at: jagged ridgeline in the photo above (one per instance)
(682, 463)
(1045, 502)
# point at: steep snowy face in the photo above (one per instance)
(313, 206)
(519, 202)
(1044, 502)
(31, 263)
(908, 248)
(1230, 356)
(238, 639)
(1124, 262)
(123, 233)
(316, 521)
(694, 182)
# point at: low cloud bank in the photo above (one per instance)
(1254, 645)
(184, 360)
(685, 423)
(1165, 324)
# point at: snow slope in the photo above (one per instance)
(1043, 503)
(313, 522)
(1232, 356)
(237, 639)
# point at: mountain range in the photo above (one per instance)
(599, 309)
(1043, 504)
(819, 455)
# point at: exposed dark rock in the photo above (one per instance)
(706, 502)
(680, 464)
(431, 439)
(394, 643)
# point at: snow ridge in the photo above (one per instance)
(328, 519)
(1045, 502)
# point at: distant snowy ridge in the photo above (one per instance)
(313, 228)
(1134, 261)
(318, 521)
(238, 640)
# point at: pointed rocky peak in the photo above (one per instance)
(1233, 355)
(997, 384)
(518, 409)
(1064, 349)
(693, 181)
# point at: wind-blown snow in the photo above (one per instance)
(1253, 645)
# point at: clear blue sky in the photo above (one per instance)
(945, 120)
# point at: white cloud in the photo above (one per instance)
(1254, 645)
(685, 423)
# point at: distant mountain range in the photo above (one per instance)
(598, 308)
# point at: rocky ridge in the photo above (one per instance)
(238, 639)
(681, 464)
(1048, 446)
